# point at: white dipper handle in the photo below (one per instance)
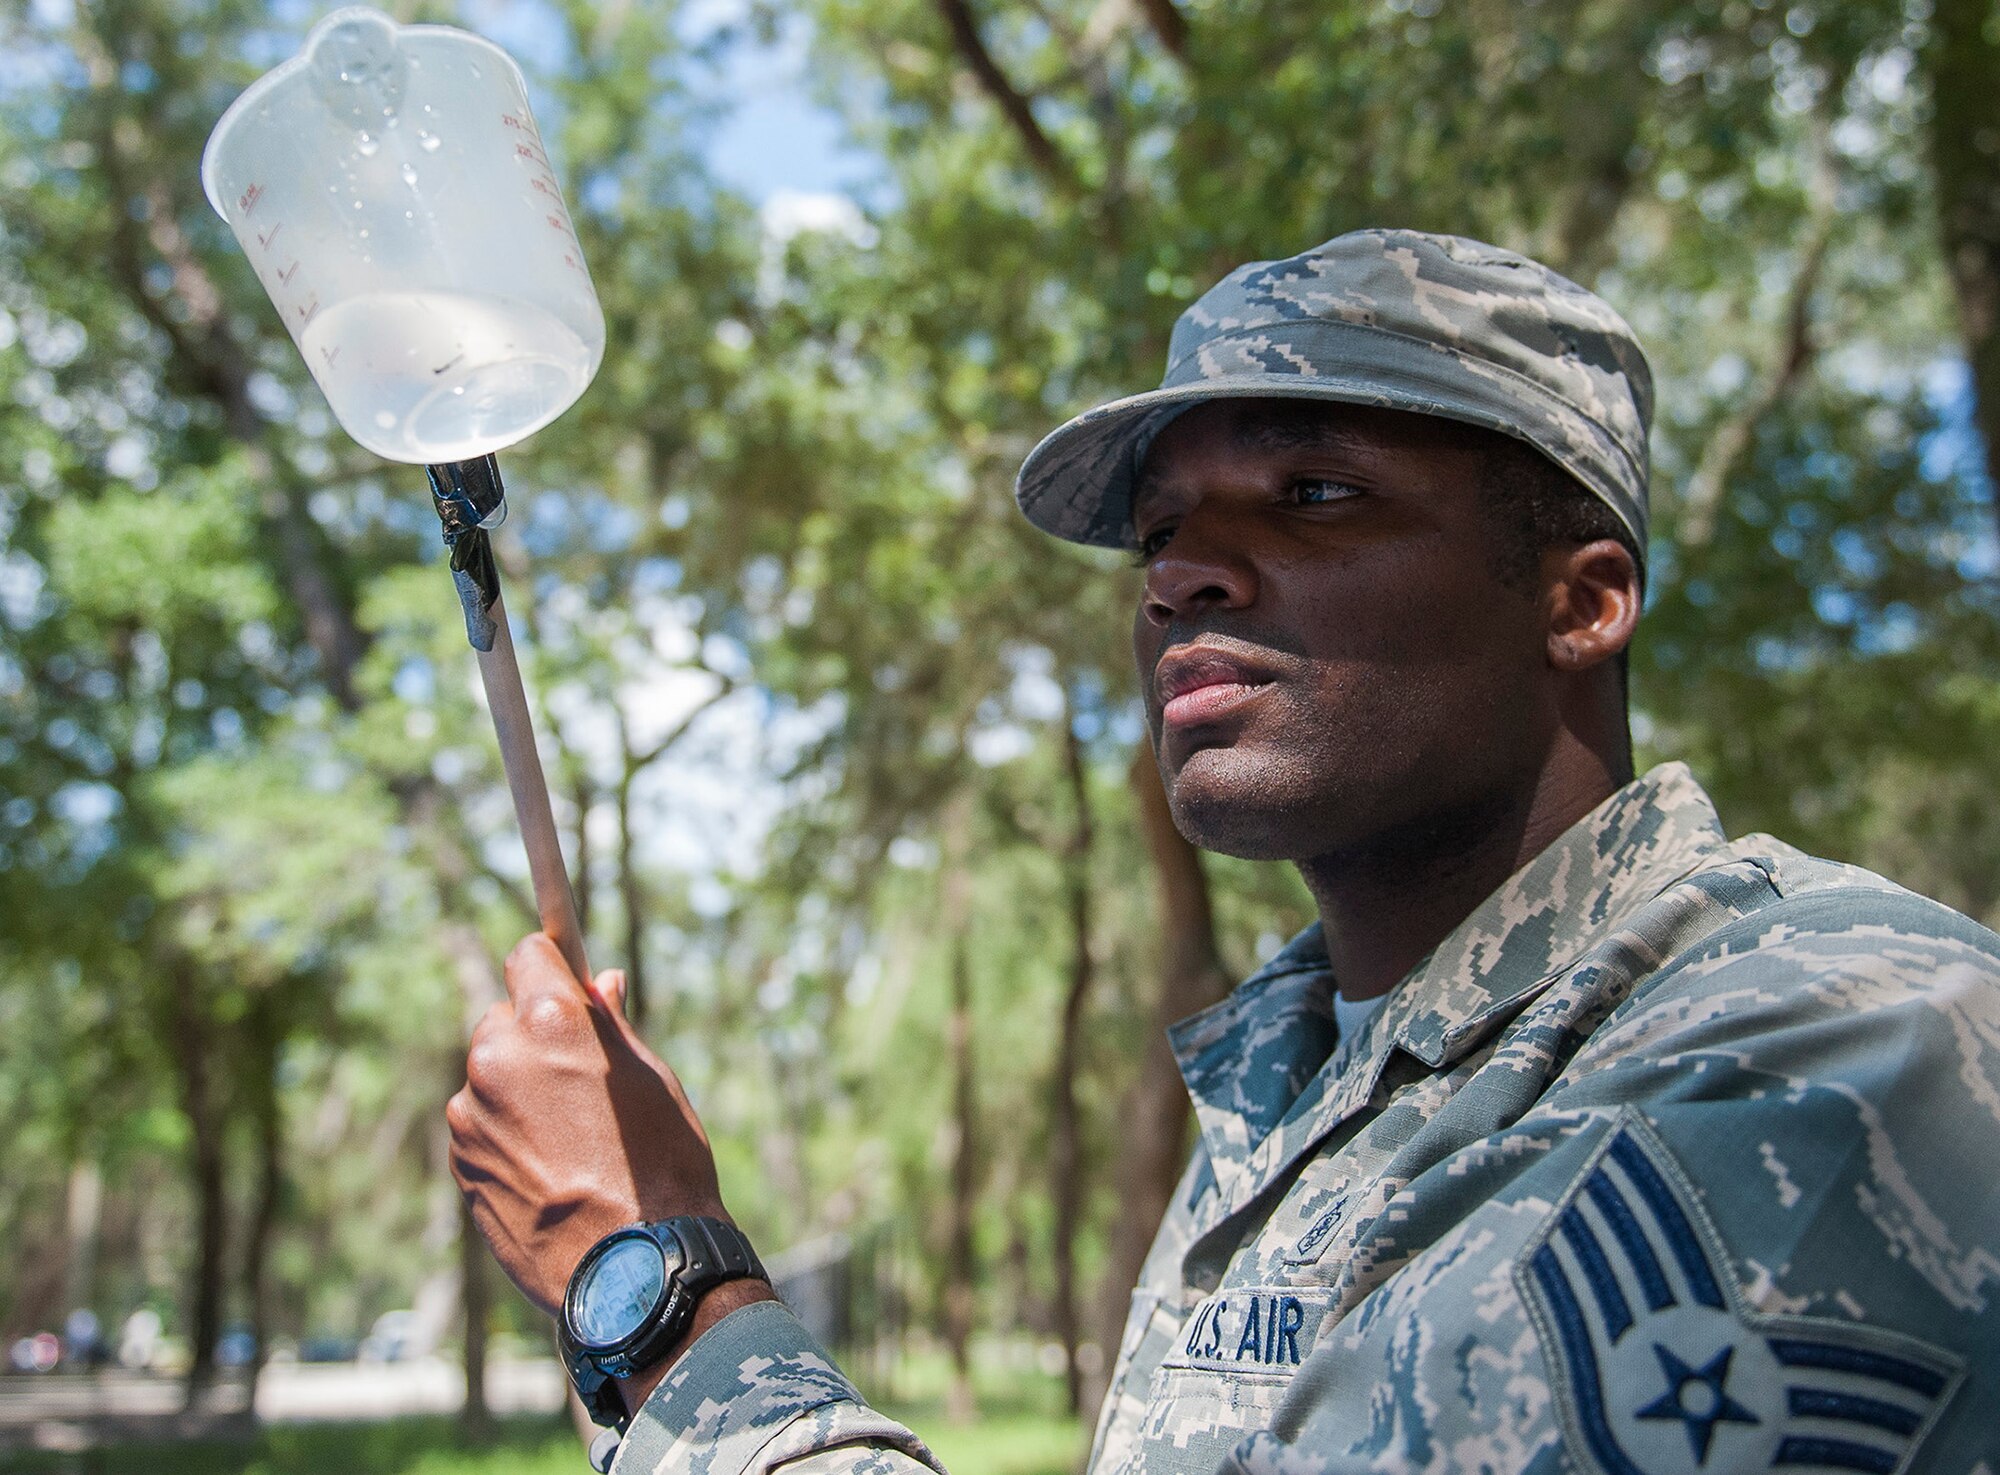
(554, 901)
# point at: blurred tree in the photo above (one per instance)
(1962, 58)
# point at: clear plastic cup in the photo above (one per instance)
(390, 187)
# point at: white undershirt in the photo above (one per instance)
(1350, 1015)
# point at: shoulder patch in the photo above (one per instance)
(1659, 1366)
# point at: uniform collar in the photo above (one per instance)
(1257, 1065)
(1553, 910)
(1246, 1058)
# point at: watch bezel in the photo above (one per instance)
(705, 1251)
(672, 1296)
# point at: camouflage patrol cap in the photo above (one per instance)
(1434, 324)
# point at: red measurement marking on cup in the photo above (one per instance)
(556, 222)
(285, 276)
(247, 201)
(329, 354)
(573, 264)
(264, 238)
(306, 312)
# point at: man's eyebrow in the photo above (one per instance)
(1273, 435)
(1295, 435)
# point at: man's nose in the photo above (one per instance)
(1203, 567)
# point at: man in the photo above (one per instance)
(1575, 1137)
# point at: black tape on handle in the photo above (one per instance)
(470, 501)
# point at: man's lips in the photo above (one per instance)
(1207, 703)
(1199, 683)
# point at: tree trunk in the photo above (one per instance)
(960, 1268)
(1023, 1313)
(193, 1042)
(1014, 105)
(1169, 25)
(631, 887)
(475, 1416)
(583, 794)
(1707, 487)
(270, 1190)
(1066, 1146)
(1963, 59)
(632, 901)
(1156, 1111)
(480, 984)
(83, 1218)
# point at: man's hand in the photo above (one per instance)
(568, 1126)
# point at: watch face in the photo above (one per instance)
(619, 1292)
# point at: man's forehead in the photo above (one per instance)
(1252, 426)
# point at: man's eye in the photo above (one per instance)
(1315, 489)
(1151, 544)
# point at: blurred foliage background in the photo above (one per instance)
(849, 756)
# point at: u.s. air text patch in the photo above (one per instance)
(1251, 1329)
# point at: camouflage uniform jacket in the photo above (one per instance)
(1679, 1154)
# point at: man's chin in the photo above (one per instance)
(1225, 801)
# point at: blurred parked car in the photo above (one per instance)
(139, 1339)
(38, 1353)
(328, 1349)
(390, 1338)
(83, 1340)
(236, 1348)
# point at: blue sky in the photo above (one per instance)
(776, 137)
(773, 138)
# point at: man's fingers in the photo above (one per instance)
(609, 986)
(487, 1056)
(497, 1018)
(459, 1116)
(537, 972)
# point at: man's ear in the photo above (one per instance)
(1593, 596)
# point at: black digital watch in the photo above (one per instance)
(632, 1298)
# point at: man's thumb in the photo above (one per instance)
(609, 986)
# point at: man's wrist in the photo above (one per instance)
(731, 1295)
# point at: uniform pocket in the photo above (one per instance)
(1223, 1373)
(1150, 1327)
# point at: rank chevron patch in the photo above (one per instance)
(1661, 1368)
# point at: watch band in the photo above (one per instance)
(709, 1252)
(716, 1251)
